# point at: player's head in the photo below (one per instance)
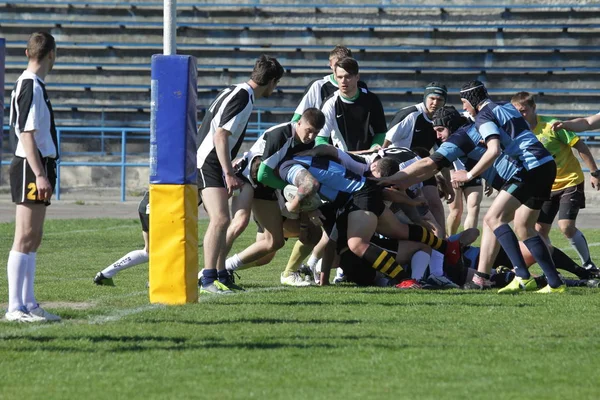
(434, 96)
(267, 72)
(472, 94)
(384, 167)
(446, 121)
(525, 104)
(346, 75)
(309, 126)
(337, 54)
(41, 48)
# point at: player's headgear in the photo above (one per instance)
(474, 92)
(435, 88)
(448, 117)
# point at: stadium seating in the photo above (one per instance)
(104, 48)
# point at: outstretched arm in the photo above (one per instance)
(579, 124)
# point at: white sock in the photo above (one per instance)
(128, 260)
(418, 264)
(581, 247)
(16, 269)
(436, 264)
(233, 263)
(312, 261)
(28, 293)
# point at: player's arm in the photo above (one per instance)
(579, 124)
(271, 157)
(327, 262)
(307, 186)
(486, 161)
(400, 197)
(220, 140)
(43, 187)
(589, 161)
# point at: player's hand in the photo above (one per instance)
(233, 183)
(557, 125)
(460, 176)
(595, 183)
(44, 189)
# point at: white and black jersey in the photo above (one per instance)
(317, 91)
(31, 111)
(351, 124)
(411, 128)
(231, 111)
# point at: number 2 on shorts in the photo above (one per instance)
(32, 194)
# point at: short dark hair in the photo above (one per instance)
(39, 45)
(340, 52)
(349, 64)
(314, 117)
(523, 97)
(387, 166)
(266, 69)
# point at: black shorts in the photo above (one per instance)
(210, 176)
(144, 212)
(473, 182)
(23, 183)
(566, 203)
(532, 188)
(369, 198)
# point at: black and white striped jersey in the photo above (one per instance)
(30, 110)
(351, 124)
(411, 128)
(231, 111)
(316, 93)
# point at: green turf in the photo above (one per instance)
(284, 343)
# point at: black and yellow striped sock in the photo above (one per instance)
(382, 261)
(417, 233)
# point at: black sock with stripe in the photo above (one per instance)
(382, 261)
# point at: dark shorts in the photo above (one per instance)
(369, 198)
(144, 212)
(532, 188)
(210, 176)
(566, 203)
(473, 183)
(23, 183)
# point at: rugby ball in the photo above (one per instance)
(308, 204)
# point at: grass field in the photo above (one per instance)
(284, 343)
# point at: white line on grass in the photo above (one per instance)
(125, 312)
(108, 228)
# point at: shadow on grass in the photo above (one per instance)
(124, 344)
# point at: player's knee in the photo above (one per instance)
(524, 232)
(357, 246)
(492, 221)
(568, 230)
(220, 221)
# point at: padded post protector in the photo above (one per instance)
(173, 244)
(2, 54)
(173, 120)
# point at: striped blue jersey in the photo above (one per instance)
(337, 182)
(506, 123)
(466, 145)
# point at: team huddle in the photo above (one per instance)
(365, 200)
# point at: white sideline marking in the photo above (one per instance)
(125, 312)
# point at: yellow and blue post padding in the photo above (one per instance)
(173, 190)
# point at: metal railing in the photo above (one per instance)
(104, 134)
